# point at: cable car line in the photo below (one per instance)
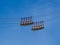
(34, 22)
(26, 17)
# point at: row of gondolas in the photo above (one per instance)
(28, 21)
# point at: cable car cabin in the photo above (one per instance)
(26, 21)
(38, 26)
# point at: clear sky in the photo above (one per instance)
(11, 33)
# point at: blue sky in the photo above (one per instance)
(11, 33)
